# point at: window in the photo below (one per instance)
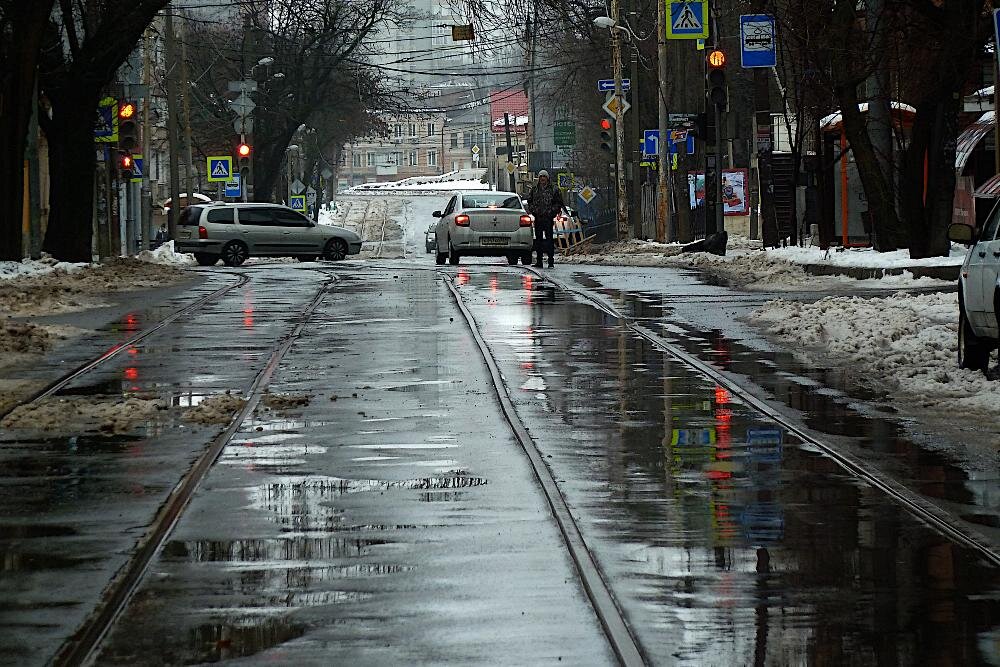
(190, 215)
(222, 216)
(412, 161)
(467, 140)
(263, 217)
(357, 159)
(397, 130)
(490, 200)
(431, 130)
(286, 218)
(432, 157)
(454, 139)
(370, 159)
(454, 165)
(413, 129)
(989, 232)
(451, 206)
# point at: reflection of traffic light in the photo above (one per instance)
(716, 76)
(128, 126)
(125, 164)
(607, 127)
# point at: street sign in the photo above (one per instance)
(311, 195)
(220, 168)
(564, 180)
(564, 133)
(587, 194)
(248, 85)
(608, 85)
(616, 106)
(757, 44)
(233, 187)
(297, 203)
(688, 19)
(326, 173)
(651, 142)
(510, 167)
(651, 139)
(138, 164)
(106, 123)
(297, 186)
(243, 105)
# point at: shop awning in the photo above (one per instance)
(970, 138)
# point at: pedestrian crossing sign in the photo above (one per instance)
(220, 168)
(138, 164)
(688, 19)
(297, 203)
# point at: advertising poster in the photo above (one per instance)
(735, 199)
(696, 188)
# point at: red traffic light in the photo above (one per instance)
(605, 123)
(243, 150)
(716, 59)
(126, 110)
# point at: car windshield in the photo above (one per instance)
(491, 200)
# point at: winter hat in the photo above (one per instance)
(543, 173)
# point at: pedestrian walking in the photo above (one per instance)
(544, 202)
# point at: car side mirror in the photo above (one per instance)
(436, 214)
(960, 232)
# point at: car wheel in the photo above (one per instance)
(440, 258)
(335, 250)
(234, 253)
(973, 351)
(512, 260)
(453, 257)
(205, 259)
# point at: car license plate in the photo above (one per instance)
(494, 240)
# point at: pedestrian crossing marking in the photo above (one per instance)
(687, 20)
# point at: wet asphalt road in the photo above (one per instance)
(401, 523)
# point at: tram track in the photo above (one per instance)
(61, 382)
(80, 648)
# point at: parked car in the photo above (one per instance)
(483, 224)
(235, 232)
(978, 292)
(430, 238)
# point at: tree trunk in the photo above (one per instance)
(267, 165)
(70, 132)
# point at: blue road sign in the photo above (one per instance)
(651, 147)
(608, 85)
(297, 203)
(138, 164)
(757, 41)
(688, 19)
(233, 187)
(220, 168)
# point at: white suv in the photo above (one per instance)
(235, 232)
(978, 292)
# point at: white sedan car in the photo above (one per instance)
(484, 224)
(978, 292)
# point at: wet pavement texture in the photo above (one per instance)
(723, 542)
(394, 518)
(397, 524)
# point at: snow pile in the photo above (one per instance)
(78, 287)
(23, 338)
(218, 409)
(28, 268)
(904, 343)
(166, 256)
(464, 184)
(285, 402)
(104, 414)
(865, 257)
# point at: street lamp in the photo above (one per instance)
(611, 23)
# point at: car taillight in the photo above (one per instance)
(462, 220)
(202, 233)
(526, 221)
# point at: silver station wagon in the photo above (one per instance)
(484, 224)
(234, 232)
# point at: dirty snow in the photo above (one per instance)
(285, 402)
(865, 257)
(218, 409)
(113, 414)
(904, 343)
(165, 255)
(28, 268)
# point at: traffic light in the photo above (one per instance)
(607, 134)
(717, 92)
(125, 164)
(243, 153)
(128, 126)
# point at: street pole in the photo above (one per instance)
(145, 199)
(186, 99)
(636, 208)
(616, 55)
(510, 150)
(172, 138)
(662, 186)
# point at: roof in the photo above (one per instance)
(990, 189)
(970, 138)
(903, 113)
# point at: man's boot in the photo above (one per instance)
(552, 262)
(538, 264)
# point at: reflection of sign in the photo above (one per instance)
(106, 123)
(587, 194)
(734, 192)
(298, 203)
(233, 188)
(692, 437)
(138, 164)
(220, 168)
(564, 133)
(764, 444)
(688, 19)
(757, 47)
(608, 85)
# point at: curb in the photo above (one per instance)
(866, 273)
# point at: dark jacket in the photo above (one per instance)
(545, 203)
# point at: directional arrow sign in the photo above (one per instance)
(608, 85)
(617, 106)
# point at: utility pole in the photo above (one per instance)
(662, 187)
(172, 138)
(146, 195)
(186, 99)
(616, 56)
(33, 185)
(636, 208)
(510, 150)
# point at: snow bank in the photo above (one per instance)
(36, 267)
(466, 184)
(166, 256)
(904, 343)
(105, 414)
(865, 257)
